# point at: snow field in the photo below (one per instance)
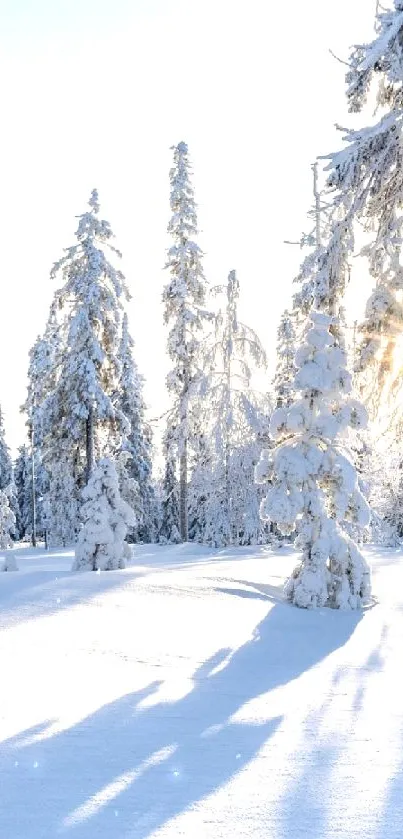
(182, 697)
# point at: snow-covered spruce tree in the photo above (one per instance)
(45, 360)
(101, 542)
(23, 485)
(370, 170)
(24, 481)
(229, 410)
(81, 406)
(314, 482)
(7, 521)
(170, 513)
(6, 465)
(201, 482)
(7, 529)
(249, 527)
(43, 371)
(7, 478)
(385, 493)
(80, 420)
(128, 486)
(62, 503)
(137, 441)
(209, 510)
(43, 368)
(285, 369)
(184, 300)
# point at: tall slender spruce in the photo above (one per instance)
(229, 411)
(285, 368)
(74, 370)
(184, 312)
(91, 297)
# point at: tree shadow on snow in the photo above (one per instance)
(304, 806)
(42, 587)
(126, 770)
(39, 593)
(254, 591)
(390, 820)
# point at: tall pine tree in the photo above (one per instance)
(79, 419)
(91, 295)
(230, 411)
(285, 368)
(23, 484)
(184, 312)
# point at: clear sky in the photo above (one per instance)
(94, 93)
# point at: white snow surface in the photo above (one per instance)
(182, 697)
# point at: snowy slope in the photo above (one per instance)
(182, 698)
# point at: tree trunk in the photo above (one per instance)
(33, 539)
(183, 456)
(228, 510)
(183, 492)
(89, 443)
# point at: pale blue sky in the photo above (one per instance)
(94, 92)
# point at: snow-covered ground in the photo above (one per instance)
(182, 698)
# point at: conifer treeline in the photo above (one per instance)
(85, 395)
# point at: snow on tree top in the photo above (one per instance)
(94, 201)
